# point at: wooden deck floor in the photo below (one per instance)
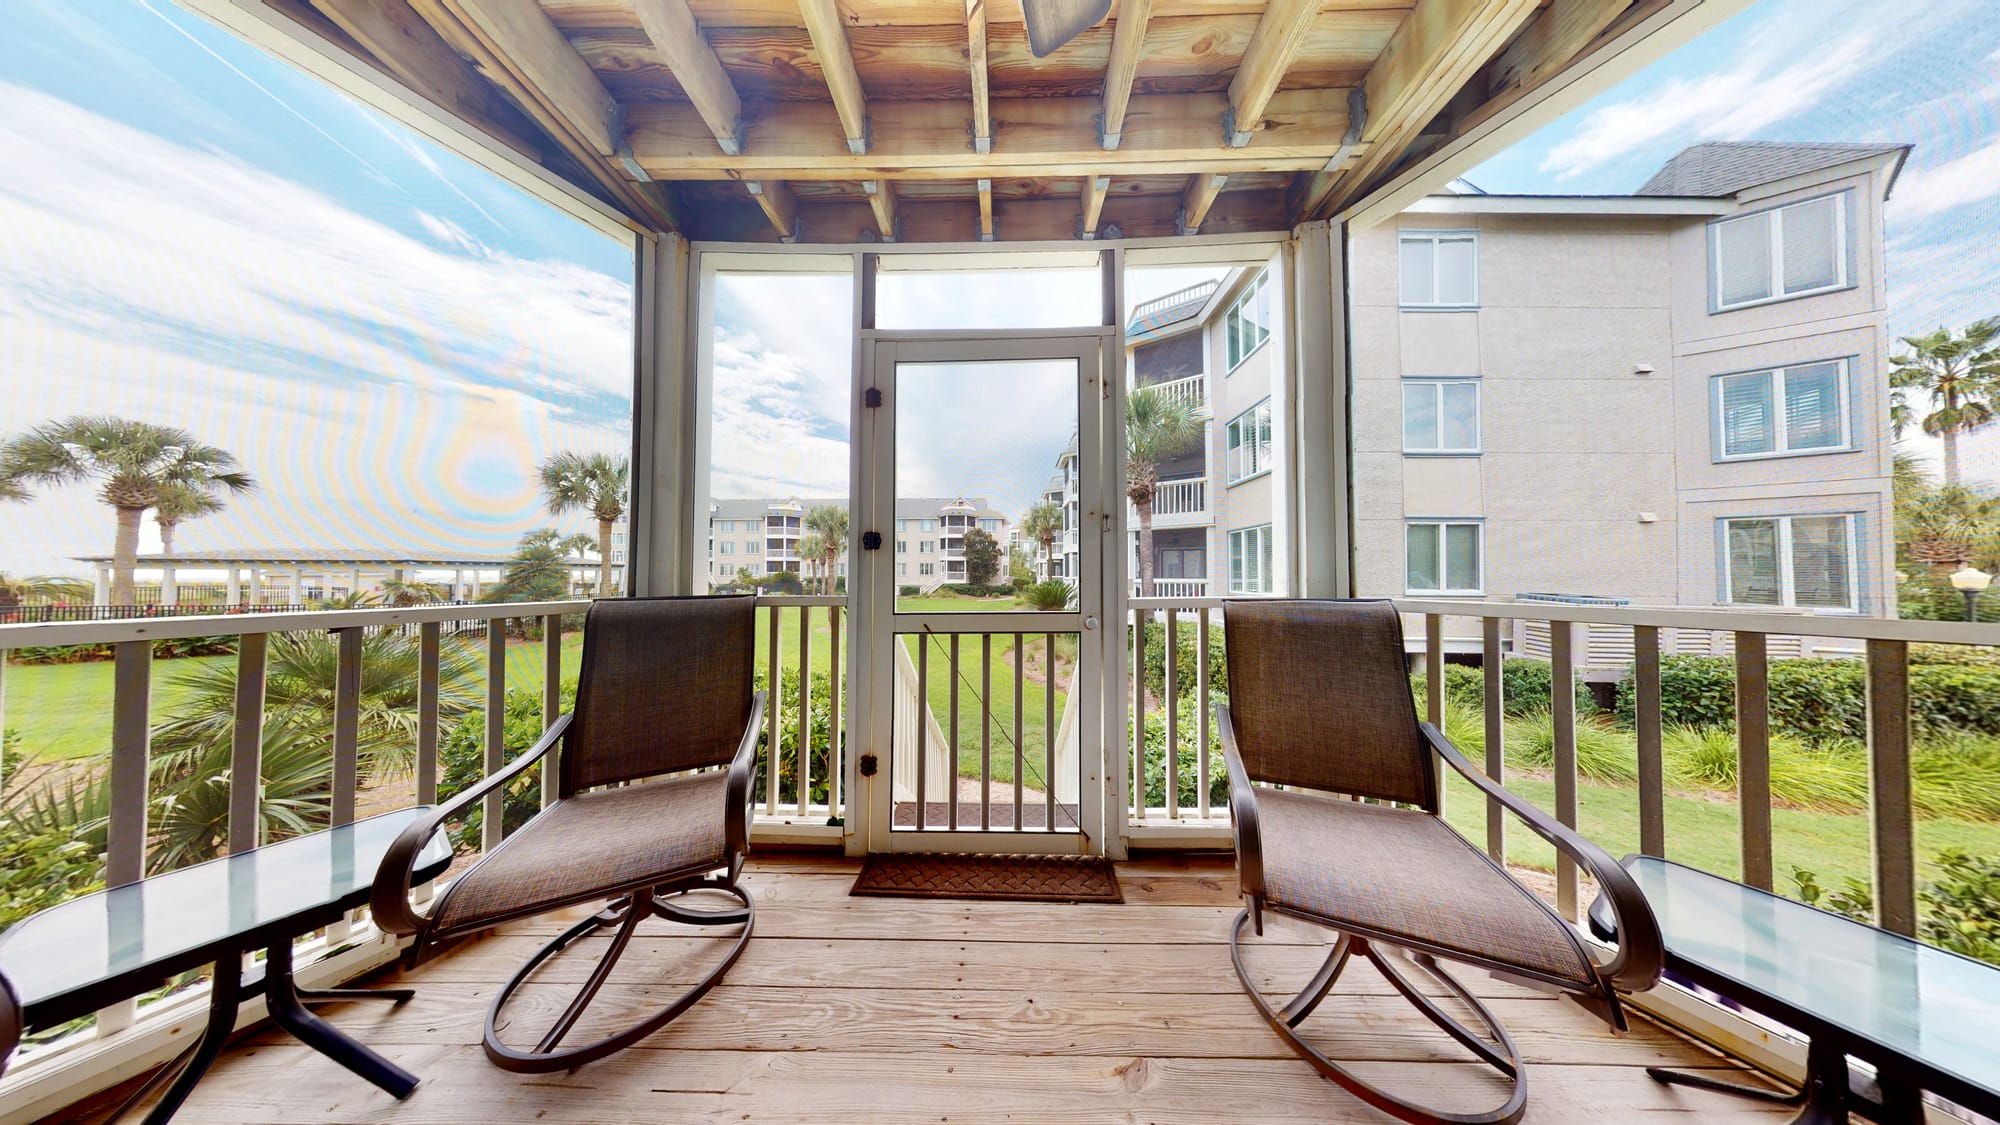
(859, 1009)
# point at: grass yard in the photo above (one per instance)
(939, 685)
(63, 711)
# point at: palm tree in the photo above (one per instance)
(1942, 526)
(178, 502)
(40, 589)
(400, 593)
(593, 483)
(1044, 521)
(539, 570)
(1960, 375)
(133, 464)
(1157, 426)
(830, 520)
(812, 552)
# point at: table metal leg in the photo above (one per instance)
(1825, 1099)
(287, 1011)
(224, 991)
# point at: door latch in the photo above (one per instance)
(871, 540)
(867, 765)
(871, 397)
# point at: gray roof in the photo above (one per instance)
(922, 507)
(309, 556)
(1722, 168)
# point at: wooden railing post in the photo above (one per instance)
(551, 700)
(1170, 711)
(427, 712)
(1138, 714)
(1434, 691)
(1494, 713)
(1646, 721)
(131, 749)
(1890, 817)
(346, 725)
(802, 756)
(1562, 712)
(1753, 757)
(493, 809)
(246, 752)
(1201, 719)
(836, 674)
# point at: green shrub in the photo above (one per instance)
(44, 869)
(1958, 776)
(1050, 595)
(1955, 697)
(1602, 752)
(1821, 701)
(168, 649)
(908, 591)
(462, 762)
(1695, 691)
(1525, 684)
(1186, 646)
(787, 704)
(1189, 761)
(1824, 701)
(1959, 910)
(977, 589)
(1832, 779)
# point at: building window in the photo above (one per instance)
(924, 546)
(1250, 560)
(1183, 562)
(926, 569)
(729, 548)
(989, 524)
(750, 548)
(902, 569)
(1788, 251)
(1442, 557)
(1801, 561)
(1248, 321)
(926, 525)
(725, 526)
(1249, 443)
(1439, 269)
(902, 546)
(1440, 416)
(902, 525)
(1798, 409)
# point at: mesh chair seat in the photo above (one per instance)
(591, 845)
(1407, 874)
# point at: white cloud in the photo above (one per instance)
(386, 389)
(1955, 183)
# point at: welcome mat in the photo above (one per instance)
(1018, 878)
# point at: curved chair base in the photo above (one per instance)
(625, 914)
(1496, 1048)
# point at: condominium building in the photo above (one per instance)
(762, 536)
(1677, 396)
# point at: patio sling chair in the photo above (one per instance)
(665, 689)
(1320, 703)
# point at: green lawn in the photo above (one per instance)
(64, 710)
(939, 684)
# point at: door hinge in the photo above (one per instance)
(871, 540)
(872, 397)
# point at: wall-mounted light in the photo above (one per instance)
(1642, 369)
(1649, 517)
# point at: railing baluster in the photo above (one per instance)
(493, 808)
(803, 766)
(951, 777)
(551, 701)
(1562, 707)
(985, 731)
(1434, 691)
(131, 747)
(1890, 814)
(1494, 714)
(246, 752)
(1201, 708)
(1139, 714)
(836, 680)
(346, 726)
(774, 678)
(923, 731)
(1652, 762)
(1753, 757)
(1049, 733)
(427, 711)
(1170, 709)
(1020, 728)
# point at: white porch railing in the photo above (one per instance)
(1171, 588)
(1184, 745)
(1184, 497)
(1192, 390)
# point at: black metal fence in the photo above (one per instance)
(38, 614)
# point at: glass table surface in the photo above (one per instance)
(185, 913)
(1920, 1002)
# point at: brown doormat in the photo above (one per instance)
(1021, 878)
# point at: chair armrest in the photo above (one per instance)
(1641, 951)
(12, 1022)
(1242, 808)
(389, 901)
(742, 770)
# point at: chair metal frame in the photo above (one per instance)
(1635, 967)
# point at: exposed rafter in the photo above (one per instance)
(1165, 134)
(780, 206)
(1430, 59)
(985, 189)
(1196, 200)
(1553, 38)
(975, 61)
(1281, 31)
(678, 38)
(1094, 190)
(1128, 37)
(882, 201)
(836, 61)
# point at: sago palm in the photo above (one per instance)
(133, 464)
(830, 521)
(42, 589)
(1158, 427)
(1959, 375)
(593, 483)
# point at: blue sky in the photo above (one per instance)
(390, 338)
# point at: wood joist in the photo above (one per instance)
(833, 120)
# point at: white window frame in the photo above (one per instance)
(1433, 237)
(1788, 592)
(1437, 383)
(1783, 430)
(1258, 554)
(1260, 462)
(728, 548)
(1444, 567)
(1842, 253)
(1235, 313)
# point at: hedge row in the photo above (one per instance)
(1822, 700)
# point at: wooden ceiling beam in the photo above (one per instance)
(1281, 31)
(1128, 41)
(779, 205)
(828, 32)
(1201, 191)
(1094, 190)
(882, 201)
(1439, 49)
(678, 38)
(1549, 42)
(975, 61)
(1045, 137)
(985, 188)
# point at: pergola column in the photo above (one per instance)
(235, 594)
(170, 590)
(256, 585)
(298, 594)
(103, 595)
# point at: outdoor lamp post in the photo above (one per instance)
(1971, 581)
